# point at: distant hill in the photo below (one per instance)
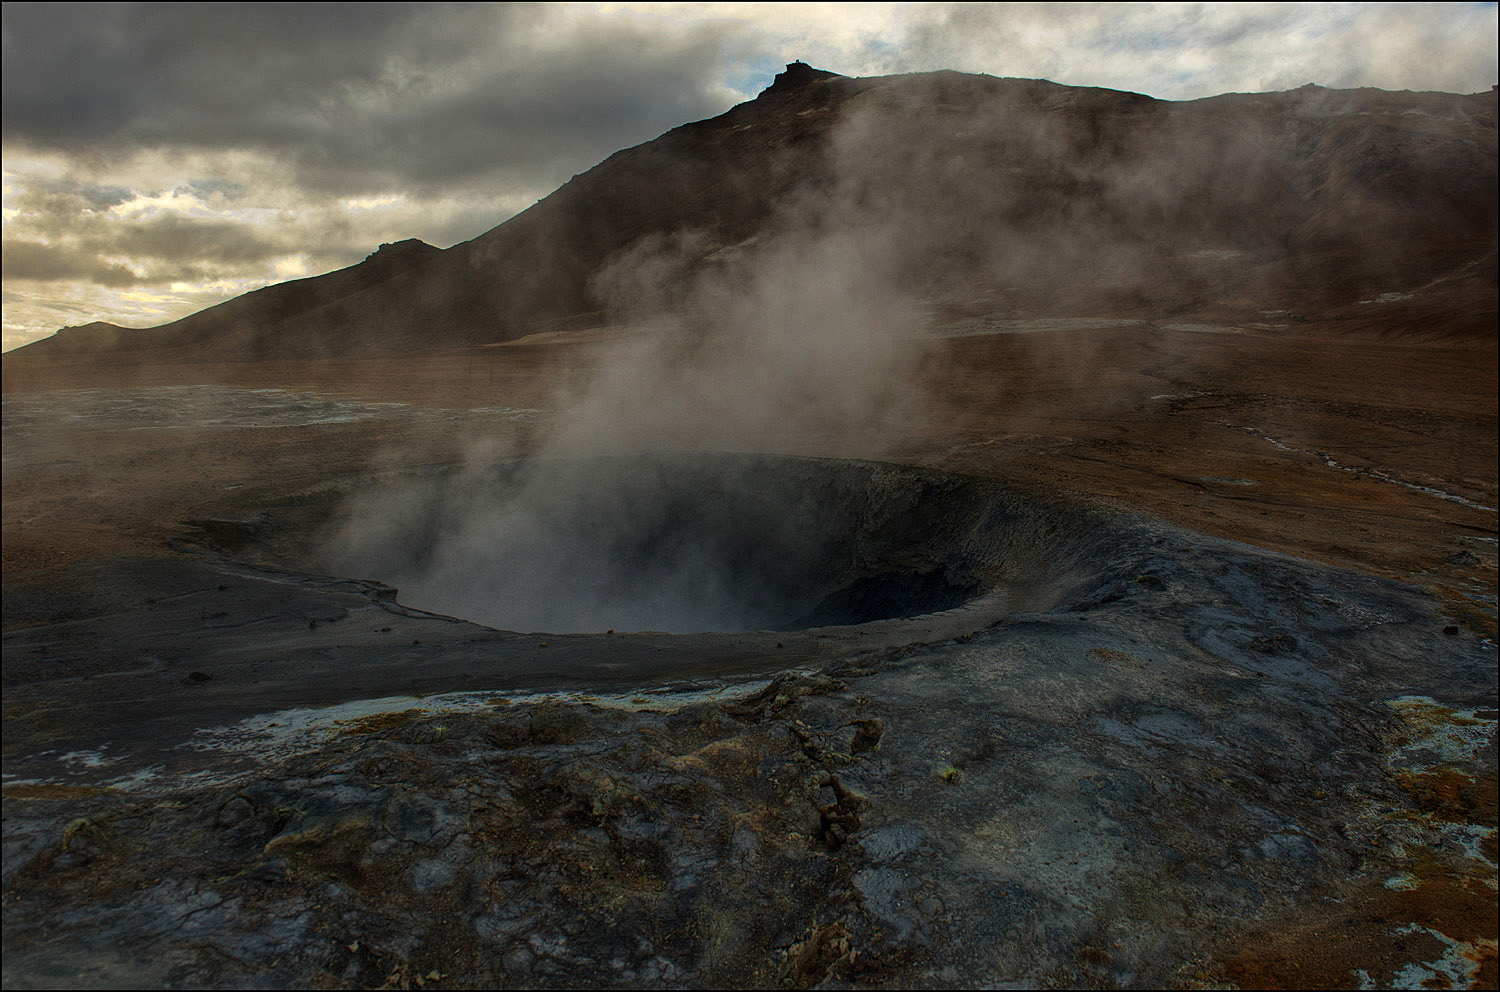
(995, 194)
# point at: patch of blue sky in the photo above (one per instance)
(751, 77)
(96, 195)
(205, 188)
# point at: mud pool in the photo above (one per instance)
(687, 543)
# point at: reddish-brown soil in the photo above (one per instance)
(1226, 433)
(1374, 928)
(1181, 424)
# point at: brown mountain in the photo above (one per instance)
(993, 194)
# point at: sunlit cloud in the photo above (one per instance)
(145, 296)
(356, 204)
(291, 267)
(145, 206)
(188, 204)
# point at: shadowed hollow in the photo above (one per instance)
(686, 543)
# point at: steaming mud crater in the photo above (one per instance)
(1117, 707)
(1101, 703)
(702, 542)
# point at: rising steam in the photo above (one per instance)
(804, 337)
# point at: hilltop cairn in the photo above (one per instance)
(796, 76)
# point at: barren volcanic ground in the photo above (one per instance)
(1157, 652)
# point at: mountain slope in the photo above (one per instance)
(993, 194)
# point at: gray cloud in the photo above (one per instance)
(51, 207)
(355, 98)
(1186, 51)
(62, 229)
(423, 96)
(35, 261)
(177, 239)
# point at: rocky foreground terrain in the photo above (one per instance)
(1146, 636)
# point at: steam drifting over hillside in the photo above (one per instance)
(1001, 194)
(789, 321)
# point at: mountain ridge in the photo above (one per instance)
(1316, 195)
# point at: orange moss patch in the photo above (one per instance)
(1463, 610)
(1451, 795)
(1370, 932)
(377, 723)
(1380, 930)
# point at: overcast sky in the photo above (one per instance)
(161, 158)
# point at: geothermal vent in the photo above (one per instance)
(689, 543)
